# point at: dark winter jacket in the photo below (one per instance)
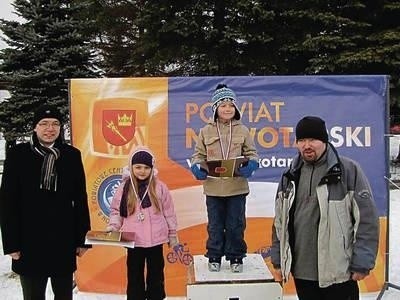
(45, 226)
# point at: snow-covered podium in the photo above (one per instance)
(256, 281)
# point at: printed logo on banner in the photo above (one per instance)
(118, 126)
(106, 192)
(180, 253)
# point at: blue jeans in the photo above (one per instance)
(226, 225)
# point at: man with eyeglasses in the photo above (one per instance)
(44, 214)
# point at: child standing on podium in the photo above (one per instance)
(225, 137)
(142, 204)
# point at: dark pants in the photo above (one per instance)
(34, 287)
(226, 225)
(153, 288)
(310, 290)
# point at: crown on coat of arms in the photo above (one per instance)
(124, 120)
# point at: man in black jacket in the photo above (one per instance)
(44, 214)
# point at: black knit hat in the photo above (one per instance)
(143, 157)
(311, 127)
(46, 111)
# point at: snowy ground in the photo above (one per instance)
(10, 288)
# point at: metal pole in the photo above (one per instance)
(387, 283)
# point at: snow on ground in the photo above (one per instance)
(11, 290)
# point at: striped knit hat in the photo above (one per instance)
(223, 93)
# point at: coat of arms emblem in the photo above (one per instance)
(118, 126)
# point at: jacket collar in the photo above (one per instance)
(234, 122)
(334, 170)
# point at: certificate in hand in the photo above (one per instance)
(224, 167)
(110, 238)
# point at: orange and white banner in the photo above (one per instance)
(110, 116)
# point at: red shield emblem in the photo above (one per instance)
(118, 126)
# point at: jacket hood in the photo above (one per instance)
(127, 170)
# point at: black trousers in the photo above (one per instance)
(153, 287)
(34, 287)
(310, 290)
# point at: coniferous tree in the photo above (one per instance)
(343, 37)
(242, 37)
(233, 37)
(208, 38)
(114, 35)
(185, 37)
(45, 49)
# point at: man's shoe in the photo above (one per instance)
(237, 265)
(214, 264)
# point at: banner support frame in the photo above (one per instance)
(387, 283)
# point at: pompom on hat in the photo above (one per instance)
(44, 112)
(221, 94)
(311, 127)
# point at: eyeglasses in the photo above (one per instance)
(49, 124)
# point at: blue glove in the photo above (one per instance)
(249, 169)
(200, 174)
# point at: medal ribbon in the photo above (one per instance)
(225, 155)
(140, 200)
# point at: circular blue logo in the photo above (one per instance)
(106, 192)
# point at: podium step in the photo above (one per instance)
(256, 281)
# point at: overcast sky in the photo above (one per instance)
(5, 9)
(6, 13)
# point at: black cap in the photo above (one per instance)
(142, 157)
(311, 127)
(46, 111)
